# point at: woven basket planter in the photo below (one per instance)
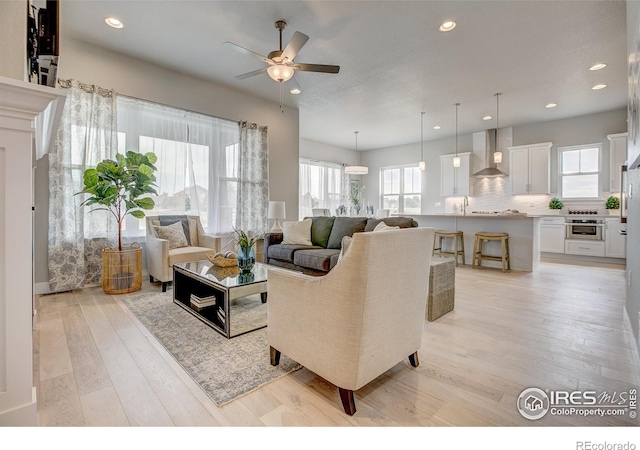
(122, 270)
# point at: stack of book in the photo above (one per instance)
(222, 317)
(199, 304)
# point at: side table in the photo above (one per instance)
(442, 278)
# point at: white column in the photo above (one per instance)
(20, 103)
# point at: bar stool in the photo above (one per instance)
(442, 235)
(483, 236)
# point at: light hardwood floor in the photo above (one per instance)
(561, 327)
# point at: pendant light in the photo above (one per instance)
(422, 165)
(357, 169)
(456, 159)
(497, 155)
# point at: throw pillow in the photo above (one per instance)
(345, 226)
(320, 230)
(173, 233)
(297, 233)
(384, 227)
(402, 222)
(346, 243)
(170, 220)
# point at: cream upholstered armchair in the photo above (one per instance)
(362, 318)
(161, 257)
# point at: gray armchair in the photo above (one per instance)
(362, 318)
(160, 259)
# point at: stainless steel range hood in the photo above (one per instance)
(490, 168)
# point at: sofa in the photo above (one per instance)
(321, 253)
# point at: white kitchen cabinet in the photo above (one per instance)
(454, 181)
(615, 243)
(617, 158)
(529, 168)
(584, 248)
(552, 234)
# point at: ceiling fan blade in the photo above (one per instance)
(248, 52)
(294, 46)
(316, 68)
(244, 76)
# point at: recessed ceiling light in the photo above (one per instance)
(487, 118)
(295, 91)
(113, 22)
(598, 66)
(550, 105)
(599, 86)
(448, 25)
(437, 127)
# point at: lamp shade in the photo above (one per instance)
(276, 210)
(356, 170)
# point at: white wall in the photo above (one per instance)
(326, 152)
(129, 76)
(494, 193)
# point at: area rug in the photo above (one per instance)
(224, 368)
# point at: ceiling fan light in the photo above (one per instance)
(280, 72)
(497, 157)
(456, 161)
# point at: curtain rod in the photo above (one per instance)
(178, 107)
(90, 88)
(111, 92)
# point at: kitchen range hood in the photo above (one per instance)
(490, 168)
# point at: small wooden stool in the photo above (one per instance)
(478, 256)
(457, 236)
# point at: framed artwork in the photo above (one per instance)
(354, 186)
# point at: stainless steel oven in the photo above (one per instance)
(585, 229)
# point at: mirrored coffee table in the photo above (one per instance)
(230, 302)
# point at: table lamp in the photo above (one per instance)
(276, 211)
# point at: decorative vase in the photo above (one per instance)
(246, 277)
(246, 259)
(357, 208)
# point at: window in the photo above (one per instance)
(197, 161)
(320, 186)
(579, 168)
(400, 189)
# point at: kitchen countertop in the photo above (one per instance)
(480, 216)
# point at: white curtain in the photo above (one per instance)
(197, 160)
(321, 186)
(86, 136)
(253, 179)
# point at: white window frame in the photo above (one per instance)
(561, 150)
(402, 194)
(327, 195)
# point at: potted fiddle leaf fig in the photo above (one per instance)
(121, 187)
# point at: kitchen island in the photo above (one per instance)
(523, 229)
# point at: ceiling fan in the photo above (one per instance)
(281, 66)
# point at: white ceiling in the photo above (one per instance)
(394, 61)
